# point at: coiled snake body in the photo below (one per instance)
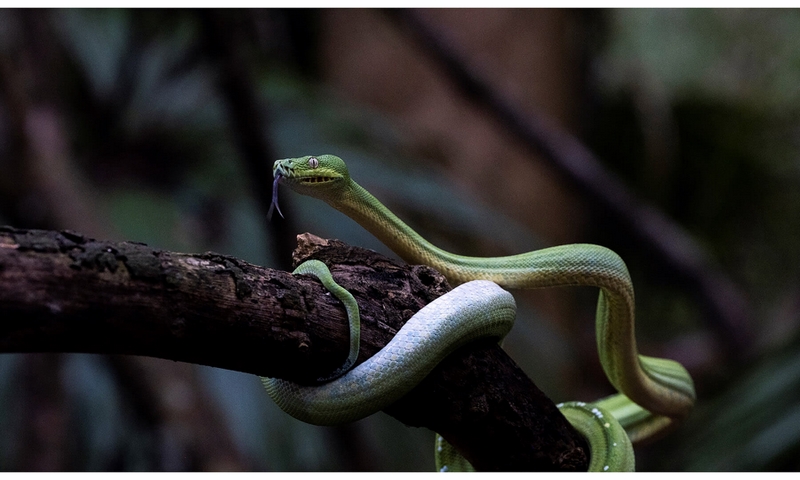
(654, 392)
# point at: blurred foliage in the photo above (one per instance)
(695, 109)
(728, 94)
(701, 118)
(753, 424)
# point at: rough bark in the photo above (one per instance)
(63, 292)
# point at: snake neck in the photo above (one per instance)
(527, 270)
(358, 204)
(555, 266)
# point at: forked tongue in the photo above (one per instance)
(274, 205)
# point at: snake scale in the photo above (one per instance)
(655, 393)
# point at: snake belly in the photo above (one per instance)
(470, 311)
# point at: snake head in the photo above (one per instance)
(319, 176)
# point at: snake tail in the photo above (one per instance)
(609, 444)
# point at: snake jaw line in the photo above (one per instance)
(315, 179)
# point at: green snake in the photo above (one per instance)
(655, 393)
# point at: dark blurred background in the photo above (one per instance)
(161, 126)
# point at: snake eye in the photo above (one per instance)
(313, 162)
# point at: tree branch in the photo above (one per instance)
(64, 292)
(61, 291)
